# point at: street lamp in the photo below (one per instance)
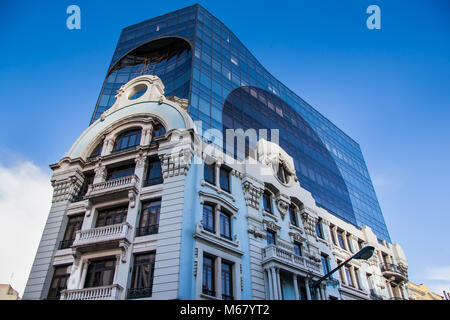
(363, 254)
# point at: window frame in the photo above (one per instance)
(145, 227)
(138, 291)
(207, 169)
(135, 132)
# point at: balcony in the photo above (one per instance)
(112, 292)
(113, 189)
(280, 255)
(106, 237)
(394, 272)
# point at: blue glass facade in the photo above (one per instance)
(198, 58)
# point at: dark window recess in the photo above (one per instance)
(59, 282)
(319, 231)
(225, 179)
(293, 216)
(100, 273)
(142, 278)
(209, 173)
(154, 173)
(127, 140)
(158, 131)
(111, 216)
(97, 151)
(227, 281)
(120, 172)
(282, 174)
(208, 218)
(298, 249)
(88, 180)
(208, 276)
(271, 238)
(149, 218)
(325, 264)
(225, 225)
(341, 240)
(73, 225)
(267, 201)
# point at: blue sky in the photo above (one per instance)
(388, 89)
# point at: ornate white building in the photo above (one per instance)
(143, 208)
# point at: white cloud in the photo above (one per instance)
(25, 199)
(438, 279)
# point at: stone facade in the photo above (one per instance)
(234, 232)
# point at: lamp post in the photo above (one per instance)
(363, 254)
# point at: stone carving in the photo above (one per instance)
(283, 207)
(123, 245)
(132, 198)
(252, 194)
(140, 160)
(309, 222)
(177, 163)
(271, 225)
(66, 189)
(296, 237)
(100, 171)
(257, 233)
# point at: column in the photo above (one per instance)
(294, 278)
(344, 235)
(85, 265)
(353, 276)
(217, 209)
(218, 279)
(308, 292)
(404, 292)
(269, 278)
(217, 172)
(325, 295)
(280, 295)
(274, 284)
(334, 233)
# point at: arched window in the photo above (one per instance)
(158, 131)
(97, 151)
(128, 140)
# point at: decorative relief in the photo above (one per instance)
(271, 225)
(296, 237)
(283, 207)
(123, 245)
(140, 160)
(176, 164)
(132, 198)
(100, 171)
(66, 189)
(252, 194)
(257, 233)
(309, 222)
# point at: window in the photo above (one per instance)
(271, 237)
(100, 273)
(73, 225)
(128, 140)
(358, 283)
(111, 216)
(154, 173)
(350, 245)
(227, 281)
(348, 276)
(208, 218)
(208, 276)
(149, 222)
(97, 151)
(341, 239)
(120, 172)
(325, 263)
(158, 131)
(298, 249)
(59, 282)
(142, 277)
(88, 180)
(225, 225)
(224, 179)
(282, 174)
(293, 216)
(319, 231)
(209, 174)
(267, 201)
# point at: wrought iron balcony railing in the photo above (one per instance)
(136, 293)
(147, 230)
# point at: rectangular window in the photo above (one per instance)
(350, 246)
(100, 273)
(154, 173)
(59, 282)
(293, 216)
(227, 281)
(341, 239)
(73, 225)
(208, 218)
(225, 225)
(88, 180)
(348, 276)
(325, 263)
(111, 216)
(149, 222)
(266, 201)
(209, 175)
(208, 276)
(271, 237)
(298, 249)
(120, 172)
(224, 179)
(358, 283)
(319, 231)
(142, 277)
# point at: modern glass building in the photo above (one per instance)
(198, 58)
